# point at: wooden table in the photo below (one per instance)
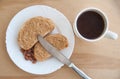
(100, 60)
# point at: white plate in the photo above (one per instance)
(62, 24)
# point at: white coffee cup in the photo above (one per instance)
(106, 33)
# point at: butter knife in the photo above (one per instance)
(55, 53)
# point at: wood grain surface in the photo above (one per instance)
(100, 60)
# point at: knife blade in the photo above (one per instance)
(55, 53)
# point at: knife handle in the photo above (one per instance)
(79, 72)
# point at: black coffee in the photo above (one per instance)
(90, 25)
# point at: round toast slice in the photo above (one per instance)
(27, 36)
(57, 40)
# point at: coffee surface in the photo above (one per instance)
(90, 25)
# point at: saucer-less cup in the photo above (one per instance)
(106, 33)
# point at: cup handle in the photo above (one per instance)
(111, 35)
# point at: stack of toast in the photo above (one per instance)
(27, 38)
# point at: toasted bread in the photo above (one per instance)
(27, 36)
(57, 40)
